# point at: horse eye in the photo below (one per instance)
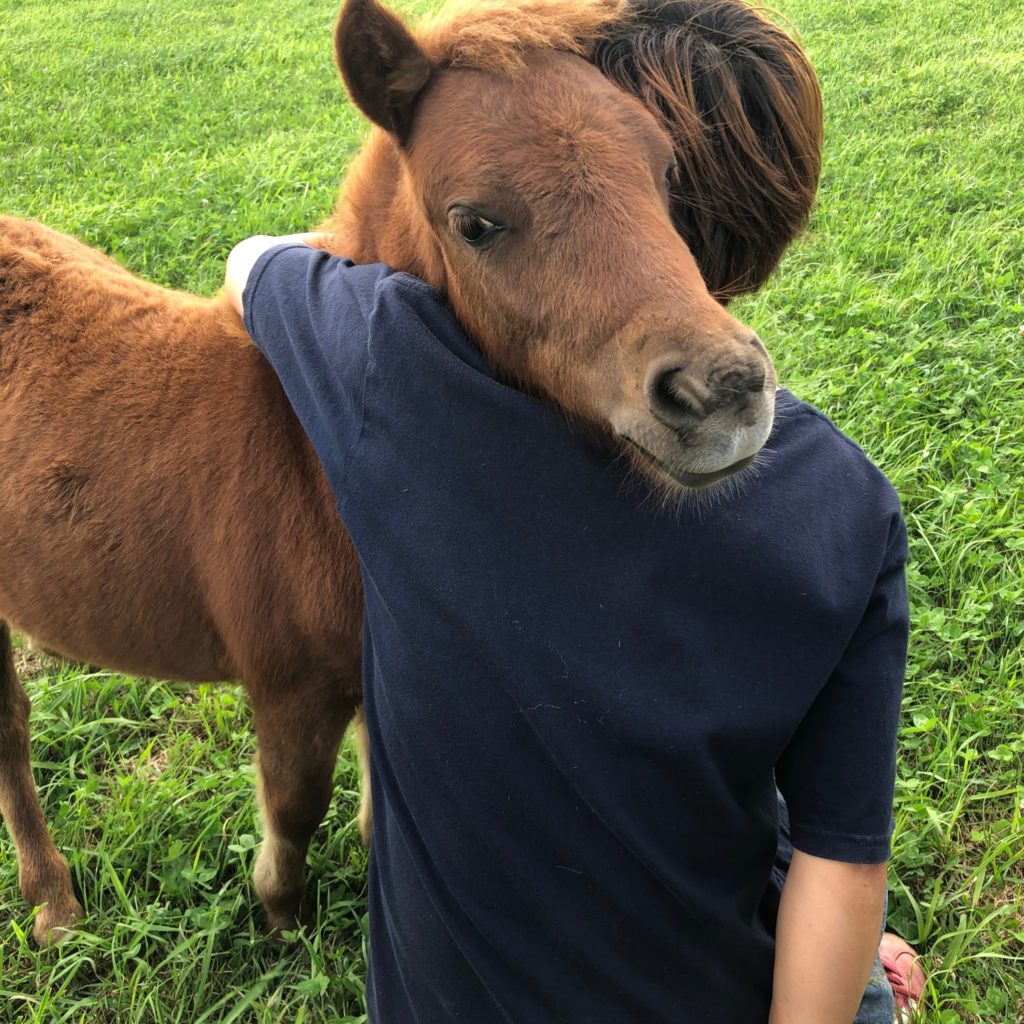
(472, 227)
(670, 173)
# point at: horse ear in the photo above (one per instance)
(382, 65)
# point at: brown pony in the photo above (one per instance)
(198, 539)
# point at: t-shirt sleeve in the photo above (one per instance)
(838, 771)
(307, 312)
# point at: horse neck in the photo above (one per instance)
(378, 220)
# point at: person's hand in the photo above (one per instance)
(244, 256)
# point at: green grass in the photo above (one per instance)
(164, 132)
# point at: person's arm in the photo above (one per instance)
(308, 312)
(244, 256)
(837, 776)
(826, 939)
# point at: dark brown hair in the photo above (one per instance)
(743, 107)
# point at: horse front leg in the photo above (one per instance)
(362, 738)
(43, 873)
(298, 732)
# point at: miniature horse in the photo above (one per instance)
(198, 539)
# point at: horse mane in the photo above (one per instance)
(496, 35)
(734, 91)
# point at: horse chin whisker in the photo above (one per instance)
(664, 494)
(687, 479)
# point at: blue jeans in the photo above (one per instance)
(876, 1007)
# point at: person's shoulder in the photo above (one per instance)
(812, 437)
(402, 301)
(398, 287)
(792, 409)
(410, 307)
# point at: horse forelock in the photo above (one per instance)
(496, 35)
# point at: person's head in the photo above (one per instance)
(743, 107)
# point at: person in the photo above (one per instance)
(582, 709)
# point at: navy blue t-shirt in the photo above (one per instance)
(579, 705)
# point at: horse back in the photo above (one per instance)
(161, 511)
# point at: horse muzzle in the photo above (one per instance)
(698, 436)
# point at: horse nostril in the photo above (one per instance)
(678, 400)
(732, 382)
(754, 380)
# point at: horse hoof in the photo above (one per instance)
(279, 922)
(282, 931)
(56, 921)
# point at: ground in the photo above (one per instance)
(164, 132)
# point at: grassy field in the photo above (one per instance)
(164, 132)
